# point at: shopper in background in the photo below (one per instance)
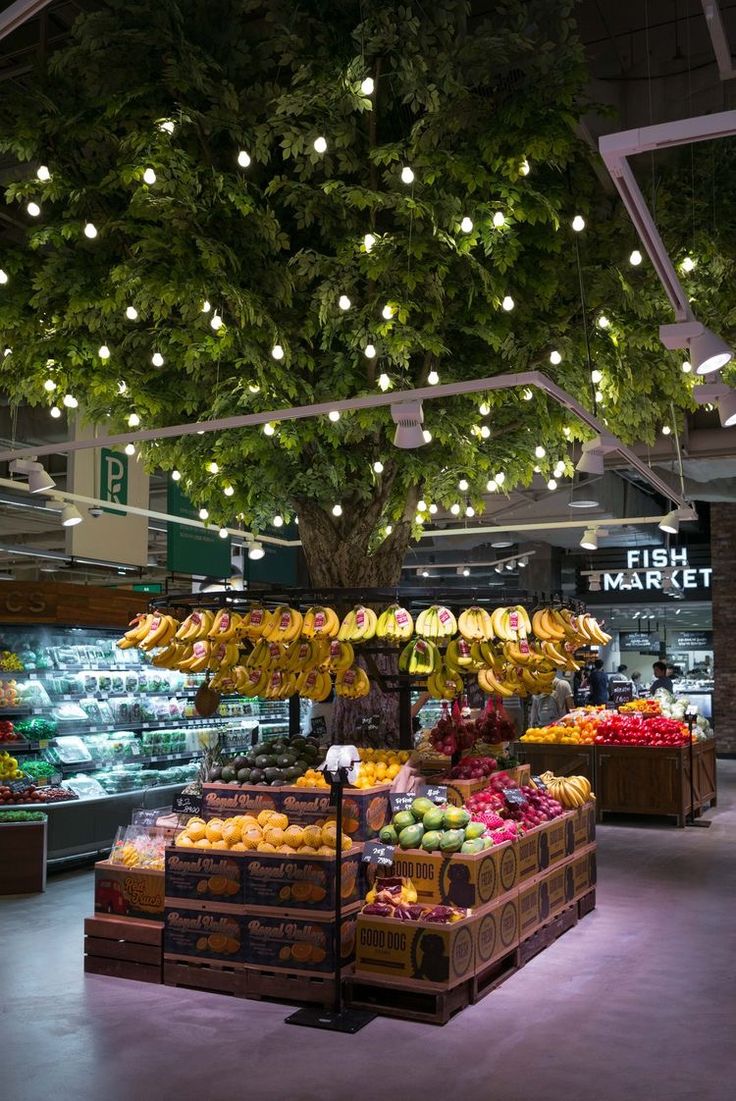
(620, 675)
(580, 685)
(636, 682)
(548, 708)
(598, 684)
(661, 680)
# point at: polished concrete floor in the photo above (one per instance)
(638, 1003)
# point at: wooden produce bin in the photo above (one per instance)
(417, 952)
(22, 857)
(640, 780)
(128, 892)
(460, 879)
(546, 845)
(545, 895)
(125, 948)
(365, 810)
(563, 760)
(704, 774)
(459, 791)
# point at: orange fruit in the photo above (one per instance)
(196, 829)
(294, 835)
(213, 830)
(184, 842)
(274, 835)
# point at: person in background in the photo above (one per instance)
(661, 680)
(636, 682)
(620, 675)
(598, 684)
(549, 707)
(580, 685)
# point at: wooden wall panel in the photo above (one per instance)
(69, 605)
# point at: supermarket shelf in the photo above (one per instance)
(169, 789)
(7, 711)
(191, 755)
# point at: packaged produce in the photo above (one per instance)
(9, 695)
(139, 847)
(396, 897)
(36, 728)
(270, 831)
(10, 662)
(32, 794)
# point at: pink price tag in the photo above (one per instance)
(443, 615)
(514, 621)
(225, 621)
(524, 647)
(463, 648)
(335, 649)
(285, 621)
(402, 617)
(320, 620)
(360, 617)
(256, 617)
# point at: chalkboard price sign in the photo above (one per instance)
(187, 802)
(401, 800)
(318, 726)
(514, 797)
(375, 852)
(539, 783)
(436, 792)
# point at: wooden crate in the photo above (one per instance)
(419, 953)
(128, 892)
(704, 774)
(22, 857)
(563, 760)
(125, 948)
(263, 984)
(586, 904)
(643, 780)
(548, 934)
(365, 810)
(492, 975)
(407, 1000)
(195, 974)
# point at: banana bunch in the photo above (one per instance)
(314, 685)
(359, 625)
(570, 791)
(250, 682)
(459, 656)
(280, 685)
(255, 621)
(161, 630)
(436, 622)
(511, 624)
(496, 683)
(285, 625)
(589, 626)
(443, 685)
(137, 630)
(395, 624)
(320, 623)
(223, 655)
(172, 655)
(475, 625)
(419, 657)
(196, 626)
(306, 654)
(199, 659)
(353, 683)
(227, 625)
(341, 656)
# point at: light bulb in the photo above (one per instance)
(462, 485)
(407, 176)
(433, 378)
(420, 518)
(499, 219)
(500, 478)
(508, 303)
(537, 470)
(484, 409)
(466, 225)
(334, 415)
(49, 385)
(223, 533)
(433, 509)
(131, 313)
(578, 223)
(369, 351)
(243, 158)
(388, 529)
(427, 435)
(524, 168)
(157, 359)
(103, 351)
(555, 358)
(277, 351)
(175, 475)
(3, 276)
(421, 505)
(70, 402)
(130, 449)
(388, 312)
(149, 176)
(603, 322)
(686, 367)
(466, 572)
(122, 387)
(455, 509)
(133, 420)
(687, 264)
(491, 485)
(368, 242)
(344, 302)
(55, 411)
(596, 376)
(167, 126)
(43, 173)
(203, 514)
(268, 429)
(527, 395)
(90, 231)
(666, 430)
(254, 388)
(320, 145)
(228, 491)
(485, 432)
(552, 484)
(559, 470)
(33, 209)
(635, 258)
(278, 521)
(206, 306)
(598, 395)
(565, 431)
(470, 511)
(337, 510)
(213, 467)
(539, 451)
(378, 466)
(367, 86)
(384, 381)
(216, 322)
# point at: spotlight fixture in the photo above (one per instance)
(670, 523)
(70, 516)
(594, 583)
(708, 352)
(39, 481)
(255, 551)
(594, 451)
(408, 416)
(727, 409)
(718, 393)
(523, 562)
(589, 540)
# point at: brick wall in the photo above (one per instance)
(723, 550)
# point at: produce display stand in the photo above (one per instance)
(23, 856)
(124, 948)
(563, 760)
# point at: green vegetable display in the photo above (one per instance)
(7, 816)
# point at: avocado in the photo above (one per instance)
(271, 773)
(292, 773)
(278, 782)
(263, 761)
(286, 760)
(302, 765)
(215, 773)
(420, 807)
(228, 774)
(239, 762)
(388, 835)
(256, 776)
(411, 836)
(244, 775)
(402, 819)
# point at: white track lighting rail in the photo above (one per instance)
(19, 13)
(719, 39)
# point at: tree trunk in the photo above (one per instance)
(338, 555)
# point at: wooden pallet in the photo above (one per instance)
(409, 1000)
(548, 934)
(124, 948)
(264, 984)
(209, 975)
(586, 904)
(491, 977)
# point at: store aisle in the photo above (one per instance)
(638, 1002)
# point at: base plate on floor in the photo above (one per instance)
(346, 1020)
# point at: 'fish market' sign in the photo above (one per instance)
(663, 569)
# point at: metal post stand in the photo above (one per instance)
(337, 1019)
(691, 819)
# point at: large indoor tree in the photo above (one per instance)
(253, 205)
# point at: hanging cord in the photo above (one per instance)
(651, 105)
(677, 449)
(586, 333)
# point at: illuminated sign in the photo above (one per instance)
(659, 569)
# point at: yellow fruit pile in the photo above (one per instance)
(571, 791)
(312, 778)
(380, 766)
(9, 767)
(270, 832)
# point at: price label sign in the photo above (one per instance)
(436, 792)
(319, 727)
(187, 802)
(539, 783)
(514, 797)
(20, 785)
(375, 852)
(146, 817)
(401, 800)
